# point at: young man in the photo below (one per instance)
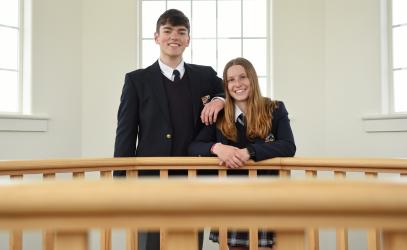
(164, 106)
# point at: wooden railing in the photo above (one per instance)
(339, 167)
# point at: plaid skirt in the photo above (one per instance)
(241, 238)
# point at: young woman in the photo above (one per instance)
(250, 127)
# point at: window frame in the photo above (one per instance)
(388, 43)
(20, 59)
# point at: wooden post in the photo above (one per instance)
(68, 240)
(290, 240)
(312, 233)
(373, 235)
(16, 237)
(341, 233)
(254, 238)
(180, 240)
(394, 240)
(132, 239)
(106, 239)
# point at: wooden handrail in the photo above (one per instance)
(106, 164)
(285, 204)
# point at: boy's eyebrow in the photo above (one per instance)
(170, 27)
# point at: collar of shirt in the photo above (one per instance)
(237, 112)
(167, 70)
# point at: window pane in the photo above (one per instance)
(151, 52)
(151, 11)
(184, 6)
(228, 49)
(399, 11)
(9, 12)
(400, 90)
(263, 86)
(8, 48)
(255, 51)
(254, 18)
(400, 47)
(187, 54)
(229, 18)
(204, 52)
(8, 91)
(204, 19)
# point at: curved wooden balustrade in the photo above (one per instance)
(183, 205)
(285, 204)
(370, 165)
(339, 166)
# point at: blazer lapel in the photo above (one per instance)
(195, 91)
(154, 78)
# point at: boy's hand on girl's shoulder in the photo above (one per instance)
(211, 110)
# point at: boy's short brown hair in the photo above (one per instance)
(173, 17)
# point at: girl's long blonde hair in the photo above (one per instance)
(258, 109)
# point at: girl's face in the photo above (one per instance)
(238, 83)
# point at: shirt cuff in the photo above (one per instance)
(218, 97)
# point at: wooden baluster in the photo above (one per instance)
(164, 173)
(16, 237)
(69, 240)
(285, 173)
(78, 175)
(131, 173)
(341, 233)
(373, 235)
(191, 173)
(48, 236)
(254, 238)
(106, 239)
(223, 238)
(394, 240)
(163, 232)
(106, 174)
(373, 239)
(290, 240)
(132, 239)
(179, 239)
(312, 233)
(252, 173)
(132, 234)
(223, 232)
(106, 234)
(16, 240)
(48, 176)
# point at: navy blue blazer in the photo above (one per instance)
(143, 121)
(279, 143)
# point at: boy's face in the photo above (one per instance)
(172, 40)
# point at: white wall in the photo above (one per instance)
(56, 84)
(298, 47)
(109, 51)
(353, 86)
(326, 70)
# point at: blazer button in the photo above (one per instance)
(168, 136)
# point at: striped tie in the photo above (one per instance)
(240, 119)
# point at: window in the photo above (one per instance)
(220, 30)
(399, 54)
(10, 56)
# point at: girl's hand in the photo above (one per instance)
(228, 155)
